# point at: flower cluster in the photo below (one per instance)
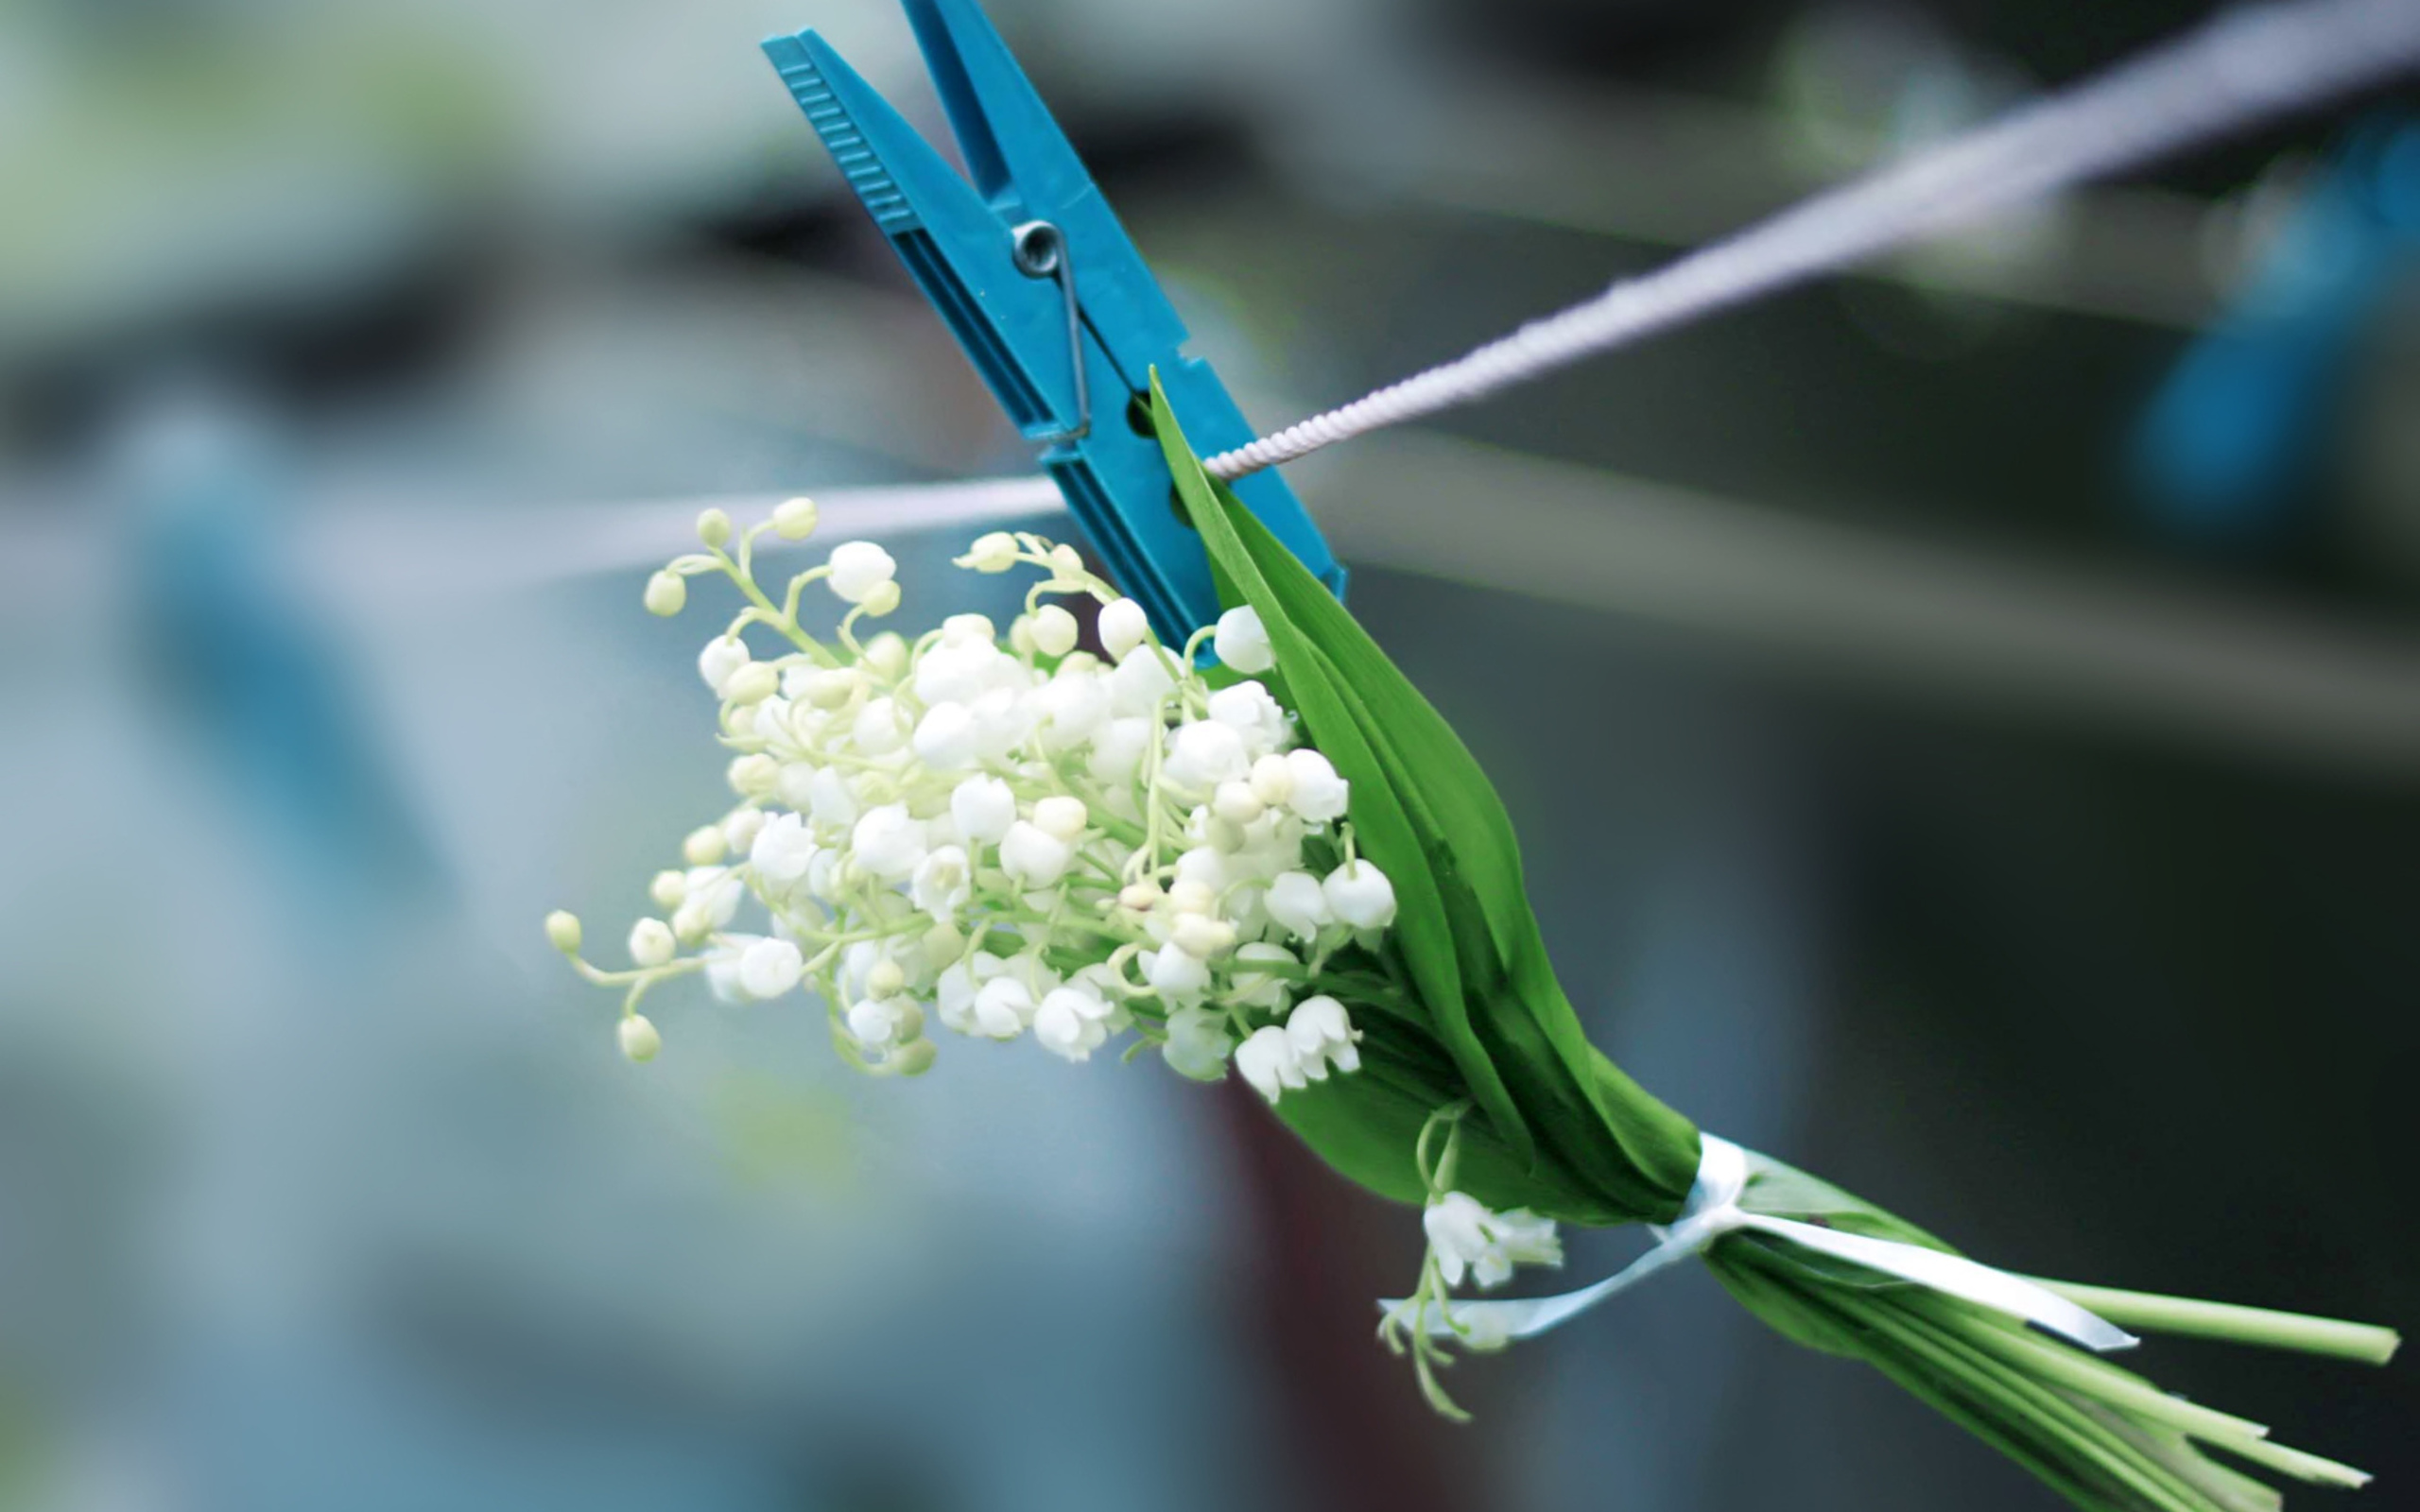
(1011, 836)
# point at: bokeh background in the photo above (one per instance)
(1964, 719)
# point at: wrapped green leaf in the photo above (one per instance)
(1481, 1096)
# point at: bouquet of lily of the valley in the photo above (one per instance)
(1289, 864)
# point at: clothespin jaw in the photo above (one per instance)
(1031, 270)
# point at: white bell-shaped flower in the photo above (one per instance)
(1247, 709)
(1318, 794)
(1205, 753)
(880, 728)
(1072, 1023)
(1118, 750)
(1004, 1006)
(1470, 1239)
(781, 853)
(769, 968)
(886, 843)
(1324, 1035)
(1068, 709)
(1299, 903)
(983, 808)
(1266, 1059)
(1359, 895)
(946, 739)
(858, 568)
(1032, 857)
(1140, 683)
(942, 883)
(879, 1024)
(956, 991)
(1176, 975)
(1199, 1043)
(1242, 641)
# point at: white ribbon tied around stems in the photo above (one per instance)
(1713, 1209)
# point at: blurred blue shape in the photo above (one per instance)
(2235, 428)
(247, 675)
(1032, 272)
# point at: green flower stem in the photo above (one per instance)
(2075, 1371)
(2294, 1462)
(2364, 1342)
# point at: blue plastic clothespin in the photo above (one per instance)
(1048, 296)
(2234, 430)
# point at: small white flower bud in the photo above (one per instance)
(704, 845)
(1067, 561)
(1360, 895)
(1192, 896)
(755, 775)
(754, 683)
(1236, 802)
(1242, 641)
(651, 943)
(1177, 976)
(859, 567)
(1273, 780)
(1059, 816)
(638, 1038)
(794, 519)
(833, 686)
(1140, 896)
(562, 932)
(666, 595)
(691, 922)
(915, 1059)
(1123, 626)
(880, 599)
(714, 527)
(668, 889)
(968, 629)
(723, 656)
(887, 654)
(996, 552)
(886, 980)
(983, 808)
(1033, 857)
(1054, 630)
(740, 831)
(1319, 793)
(1021, 635)
(888, 843)
(1199, 934)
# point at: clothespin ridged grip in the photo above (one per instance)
(1065, 343)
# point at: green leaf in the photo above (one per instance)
(1382, 828)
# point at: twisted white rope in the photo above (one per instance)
(2243, 68)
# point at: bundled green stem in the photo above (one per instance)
(1553, 1126)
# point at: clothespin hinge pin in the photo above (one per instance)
(1041, 252)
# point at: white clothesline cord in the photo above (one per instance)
(2246, 67)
